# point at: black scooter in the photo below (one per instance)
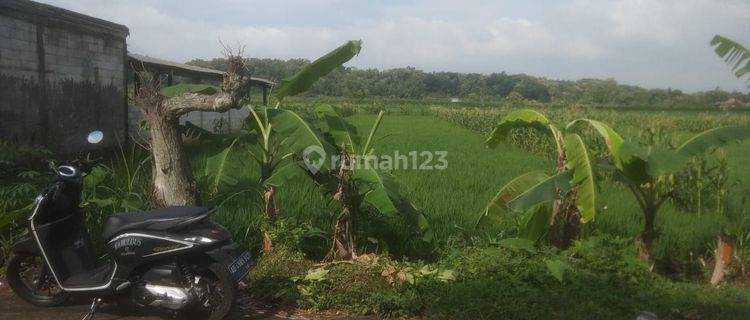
(173, 259)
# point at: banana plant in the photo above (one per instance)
(276, 138)
(648, 170)
(738, 57)
(353, 184)
(282, 137)
(552, 205)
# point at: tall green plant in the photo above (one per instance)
(277, 138)
(648, 169)
(354, 183)
(280, 135)
(560, 201)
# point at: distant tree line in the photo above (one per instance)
(411, 83)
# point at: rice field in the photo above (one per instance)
(452, 199)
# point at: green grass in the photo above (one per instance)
(452, 199)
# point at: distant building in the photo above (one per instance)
(62, 74)
(729, 103)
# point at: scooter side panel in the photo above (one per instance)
(139, 247)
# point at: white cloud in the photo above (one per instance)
(645, 42)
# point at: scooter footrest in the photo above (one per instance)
(93, 278)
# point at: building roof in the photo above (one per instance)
(206, 71)
(53, 16)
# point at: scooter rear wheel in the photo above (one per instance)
(30, 279)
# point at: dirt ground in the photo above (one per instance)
(12, 307)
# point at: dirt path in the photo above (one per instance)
(11, 307)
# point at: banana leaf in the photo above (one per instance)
(216, 169)
(301, 138)
(367, 149)
(734, 54)
(535, 222)
(612, 139)
(644, 163)
(344, 134)
(284, 174)
(305, 78)
(524, 118)
(499, 204)
(542, 192)
(717, 137)
(584, 178)
(383, 193)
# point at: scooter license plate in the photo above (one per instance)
(241, 265)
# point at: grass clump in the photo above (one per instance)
(271, 278)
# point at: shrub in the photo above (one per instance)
(604, 280)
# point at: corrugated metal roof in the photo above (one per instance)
(161, 62)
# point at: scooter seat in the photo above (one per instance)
(163, 219)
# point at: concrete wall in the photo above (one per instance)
(58, 82)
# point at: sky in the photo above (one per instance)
(650, 43)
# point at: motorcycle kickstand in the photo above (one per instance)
(92, 310)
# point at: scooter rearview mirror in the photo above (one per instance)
(95, 137)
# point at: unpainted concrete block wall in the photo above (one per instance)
(58, 82)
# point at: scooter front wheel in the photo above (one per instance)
(219, 293)
(31, 280)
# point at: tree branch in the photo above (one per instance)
(220, 102)
(234, 87)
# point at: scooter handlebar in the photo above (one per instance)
(71, 168)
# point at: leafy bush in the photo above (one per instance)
(15, 157)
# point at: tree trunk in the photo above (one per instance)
(271, 213)
(645, 241)
(567, 224)
(565, 220)
(722, 257)
(172, 180)
(343, 243)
